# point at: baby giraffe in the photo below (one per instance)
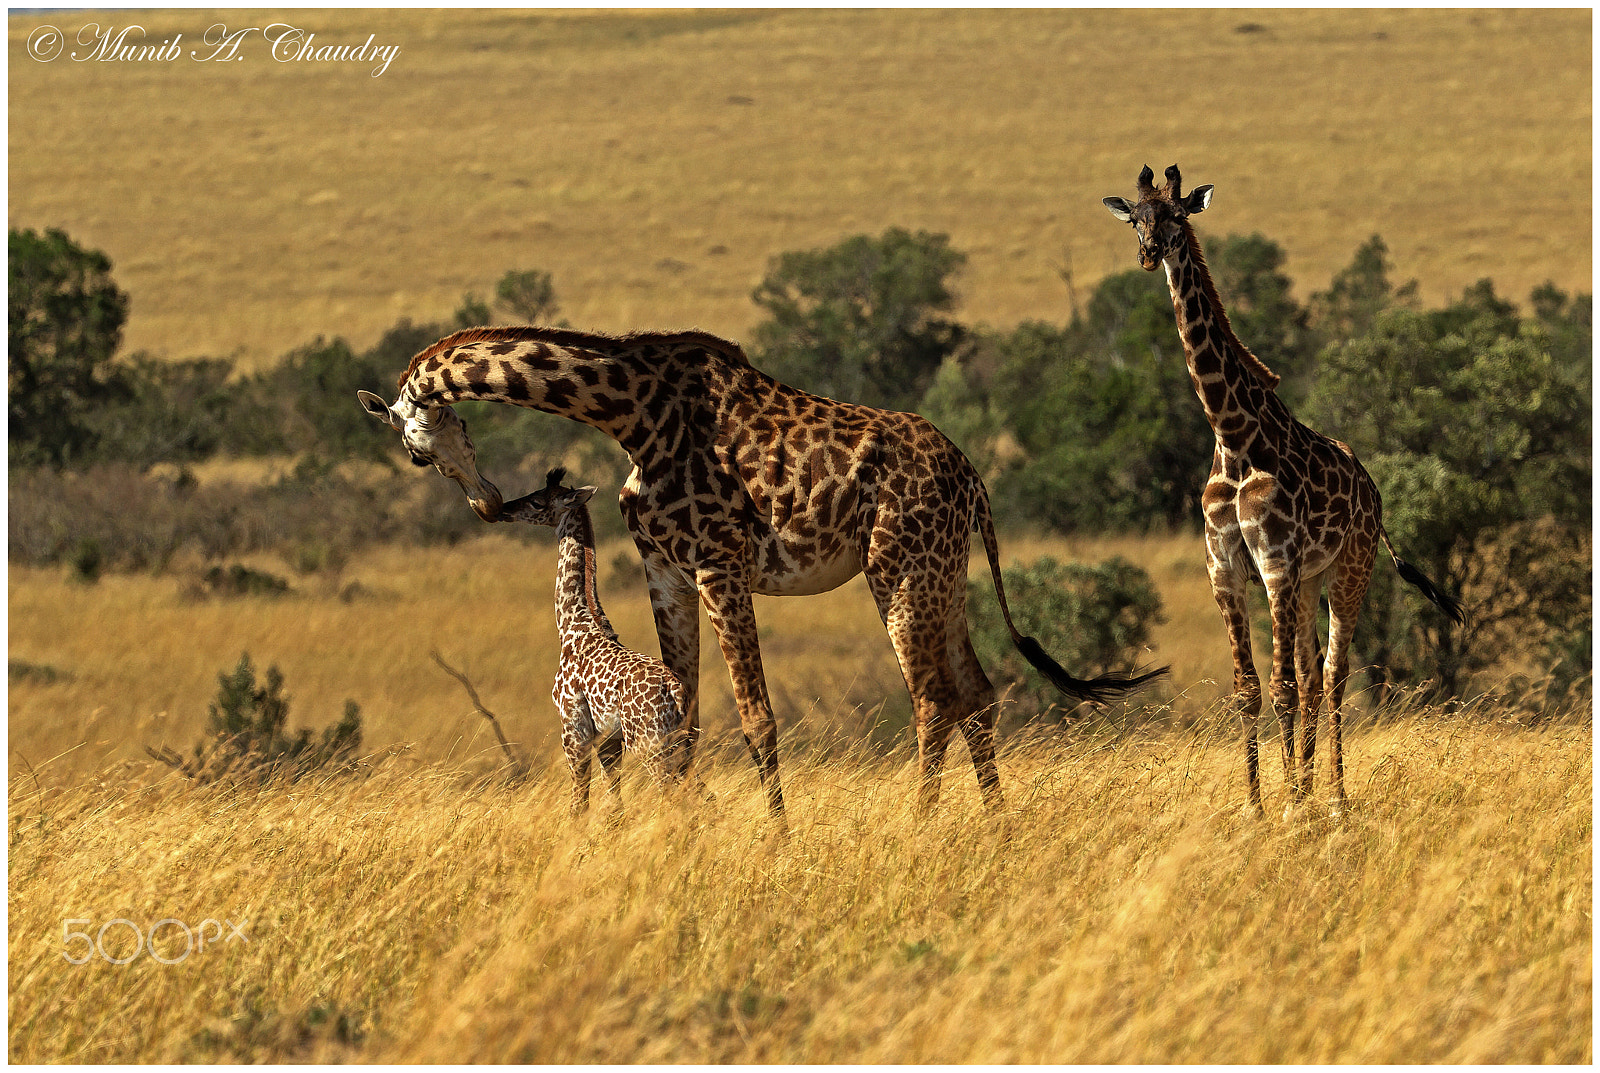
(610, 697)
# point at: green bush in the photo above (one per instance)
(1093, 620)
(1474, 422)
(247, 734)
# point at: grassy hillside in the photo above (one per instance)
(654, 161)
(1118, 910)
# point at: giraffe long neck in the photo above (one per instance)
(577, 588)
(1234, 387)
(563, 373)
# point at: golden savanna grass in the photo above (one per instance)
(655, 160)
(137, 658)
(1117, 910)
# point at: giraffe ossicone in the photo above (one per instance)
(1284, 505)
(612, 700)
(742, 485)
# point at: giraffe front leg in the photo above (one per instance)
(728, 604)
(1228, 587)
(577, 733)
(675, 604)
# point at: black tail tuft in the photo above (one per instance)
(1448, 604)
(1095, 690)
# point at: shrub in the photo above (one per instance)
(247, 733)
(1093, 619)
(1476, 430)
(240, 580)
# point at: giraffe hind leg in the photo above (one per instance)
(1308, 672)
(916, 601)
(978, 698)
(1345, 595)
(609, 750)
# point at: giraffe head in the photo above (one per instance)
(548, 504)
(1159, 214)
(435, 436)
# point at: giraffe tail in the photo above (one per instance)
(1412, 576)
(1094, 690)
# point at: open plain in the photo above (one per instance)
(426, 908)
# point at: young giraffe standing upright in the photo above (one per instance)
(610, 697)
(744, 485)
(1283, 503)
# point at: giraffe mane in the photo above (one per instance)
(1267, 377)
(571, 337)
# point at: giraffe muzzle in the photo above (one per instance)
(487, 503)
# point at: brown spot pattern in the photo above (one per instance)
(611, 698)
(743, 485)
(1284, 505)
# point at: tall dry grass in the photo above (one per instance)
(135, 658)
(654, 161)
(1119, 909)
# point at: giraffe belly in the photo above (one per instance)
(783, 574)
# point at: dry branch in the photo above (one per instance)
(519, 766)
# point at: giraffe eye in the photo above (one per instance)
(418, 460)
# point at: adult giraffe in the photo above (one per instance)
(1283, 504)
(744, 485)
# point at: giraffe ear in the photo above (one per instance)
(379, 409)
(580, 496)
(1120, 207)
(1198, 199)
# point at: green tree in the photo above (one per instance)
(529, 295)
(314, 390)
(473, 312)
(861, 321)
(66, 317)
(1103, 413)
(1479, 440)
(176, 411)
(1096, 424)
(1358, 293)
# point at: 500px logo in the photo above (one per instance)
(143, 942)
(285, 44)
